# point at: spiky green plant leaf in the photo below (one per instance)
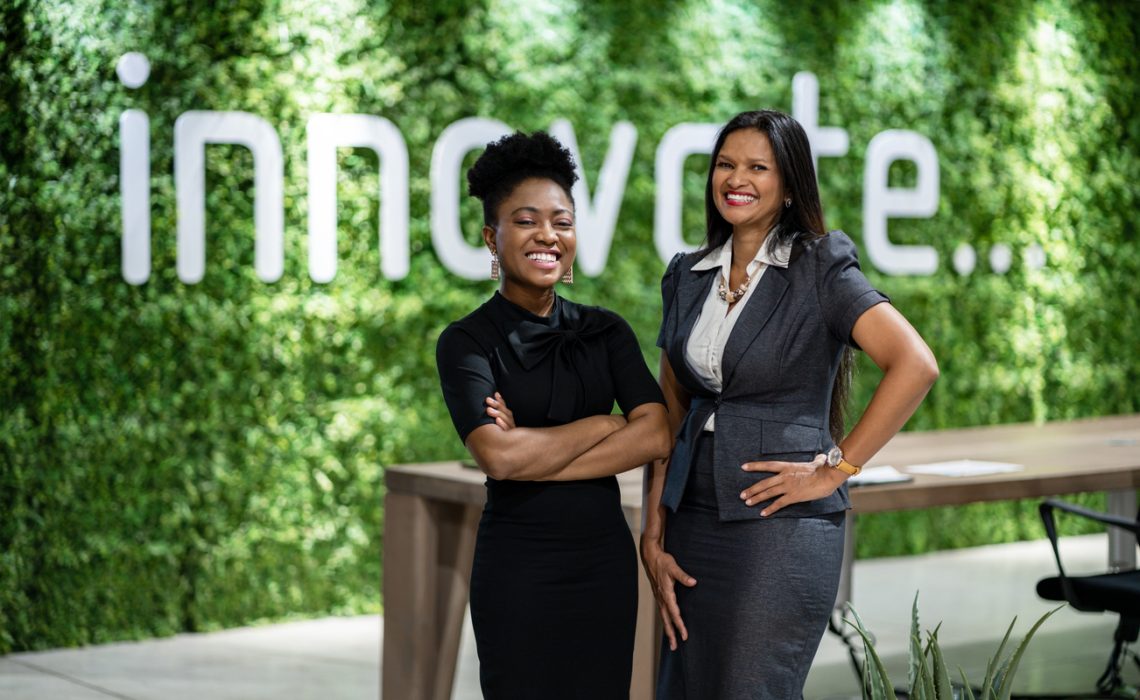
(923, 686)
(942, 687)
(993, 667)
(966, 689)
(916, 659)
(1006, 688)
(876, 683)
(999, 674)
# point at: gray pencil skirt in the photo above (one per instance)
(765, 589)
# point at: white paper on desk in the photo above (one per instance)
(879, 475)
(964, 467)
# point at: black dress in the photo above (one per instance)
(554, 581)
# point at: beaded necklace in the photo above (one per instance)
(735, 295)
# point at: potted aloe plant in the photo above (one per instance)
(928, 677)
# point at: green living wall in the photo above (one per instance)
(183, 457)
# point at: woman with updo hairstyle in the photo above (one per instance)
(744, 526)
(530, 380)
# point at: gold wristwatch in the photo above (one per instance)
(835, 461)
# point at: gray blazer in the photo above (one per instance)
(779, 367)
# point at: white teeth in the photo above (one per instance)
(740, 198)
(542, 257)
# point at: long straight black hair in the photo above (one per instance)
(800, 222)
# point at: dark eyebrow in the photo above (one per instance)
(748, 160)
(535, 210)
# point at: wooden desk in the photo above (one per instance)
(432, 510)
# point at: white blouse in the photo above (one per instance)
(704, 349)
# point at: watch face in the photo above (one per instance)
(834, 456)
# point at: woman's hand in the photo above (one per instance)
(791, 482)
(497, 409)
(664, 574)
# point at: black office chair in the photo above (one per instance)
(1112, 592)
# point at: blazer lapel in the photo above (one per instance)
(753, 317)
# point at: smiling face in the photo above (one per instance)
(746, 183)
(534, 236)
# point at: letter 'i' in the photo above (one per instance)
(134, 173)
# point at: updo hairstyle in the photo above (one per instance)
(510, 160)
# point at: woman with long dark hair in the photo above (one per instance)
(531, 380)
(747, 514)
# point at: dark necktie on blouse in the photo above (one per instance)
(574, 366)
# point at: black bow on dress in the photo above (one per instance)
(574, 365)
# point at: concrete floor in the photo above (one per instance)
(973, 592)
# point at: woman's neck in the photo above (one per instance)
(746, 242)
(539, 302)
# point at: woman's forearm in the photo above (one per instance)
(525, 454)
(895, 400)
(644, 438)
(652, 512)
(677, 405)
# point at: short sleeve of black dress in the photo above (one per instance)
(634, 384)
(844, 292)
(465, 377)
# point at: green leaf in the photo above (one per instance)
(876, 683)
(966, 689)
(942, 687)
(1006, 688)
(994, 664)
(924, 687)
(916, 659)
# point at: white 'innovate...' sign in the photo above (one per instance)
(596, 215)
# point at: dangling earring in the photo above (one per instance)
(568, 278)
(788, 203)
(494, 265)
